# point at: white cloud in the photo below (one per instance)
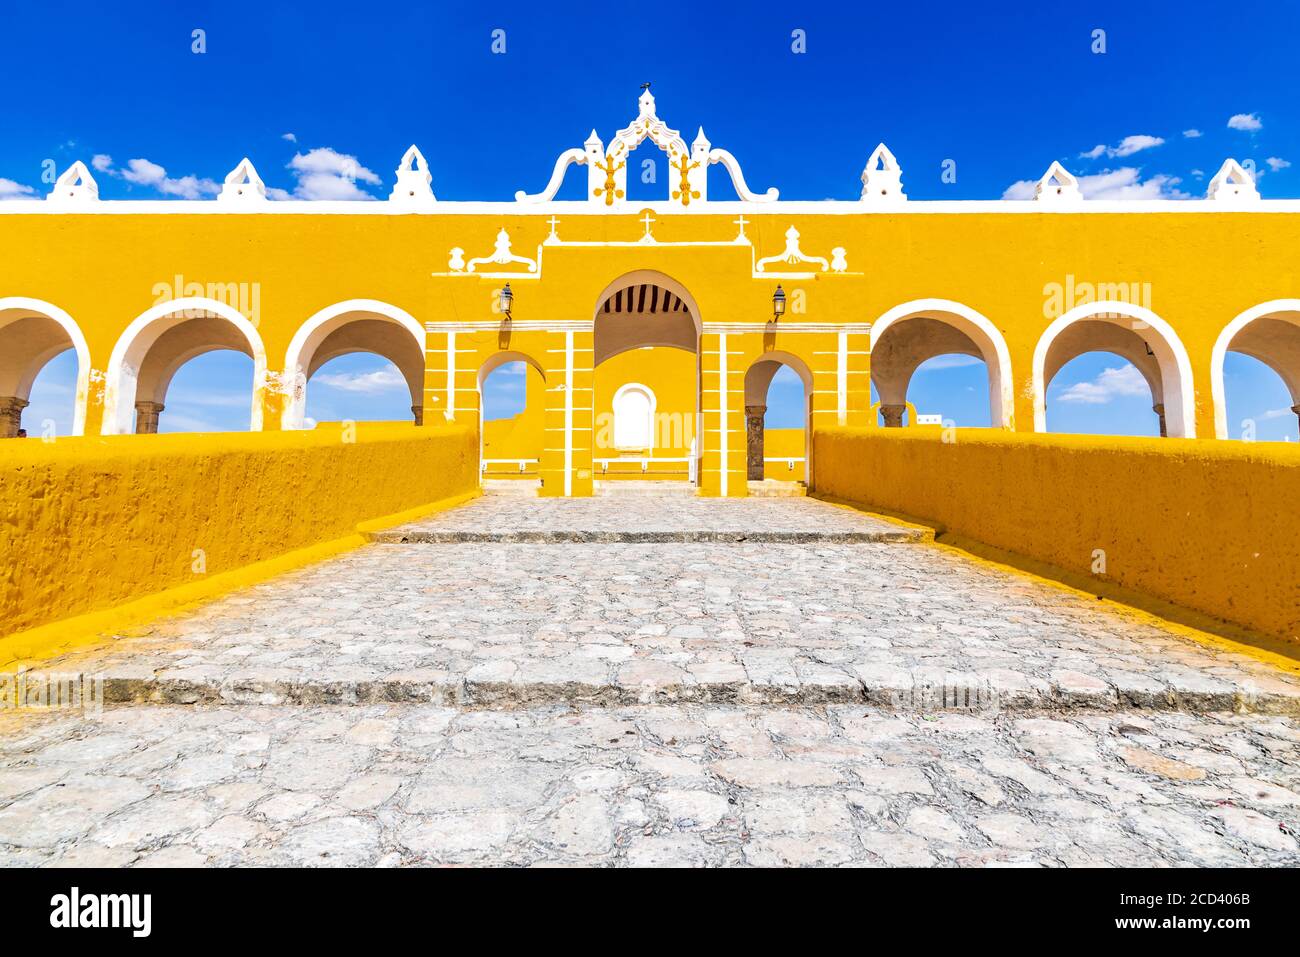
(11, 190)
(1199, 173)
(1245, 121)
(1127, 146)
(1276, 163)
(209, 400)
(952, 361)
(387, 379)
(1110, 384)
(143, 172)
(292, 138)
(1276, 413)
(1123, 183)
(1193, 134)
(323, 173)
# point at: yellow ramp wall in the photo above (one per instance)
(1209, 526)
(91, 523)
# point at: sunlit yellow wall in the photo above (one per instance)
(670, 374)
(784, 442)
(1208, 525)
(520, 436)
(90, 523)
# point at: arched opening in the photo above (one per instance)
(358, 326)
(512, 409)
(935, 351)
(778, 397)
(156, 345)
(647, 380)
(1249, 401)
(1151, 354)
(37, 335)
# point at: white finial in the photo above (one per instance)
(242, 185)
(1232, 182)
(883, 178)
(646, 102)
(594, 140)
(75, 185)
(1058, 185)
(413, 186)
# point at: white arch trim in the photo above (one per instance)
(78, 343)
(1175, 366)
(652, 276)
(310, 335)
(133, 345)
(1218, 393)
(1001, 384)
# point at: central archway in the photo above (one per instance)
(646, 351)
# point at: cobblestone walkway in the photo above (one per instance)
(502, 518)
(487, 624)
(826, 699)
(680, 785)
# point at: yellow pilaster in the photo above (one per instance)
(722, 401)
(566, 466)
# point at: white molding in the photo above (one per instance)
(882, 178)
(414, 181)
(1232, 184)
(1180, 414)
(74, 187)
(51, 311)
(1218, 391)
(243, 186)
(1058, 185)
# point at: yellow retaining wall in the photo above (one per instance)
(1208, 526)
(92, 523)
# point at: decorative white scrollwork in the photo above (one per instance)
(1058, 185)
(882, 179)
(243, 185)
(1232, 182)
(414, 184)
(793, 255)
(501, 256)
(74, 185)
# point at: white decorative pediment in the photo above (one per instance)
(414, 186)
(607, 167)
(882, 179)
(793, 255)
(75, 185)
(501, 256)
(243, 185)
(1058, 185)
(1232, 182)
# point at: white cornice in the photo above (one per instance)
(913, 207)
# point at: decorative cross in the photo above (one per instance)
(647, 219)
(741, 223)
(553, 222)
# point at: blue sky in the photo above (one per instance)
(310, 89)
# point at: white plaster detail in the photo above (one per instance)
(1058, 185)
(1232, 182)
(882, 179)
(74, 186)
(792, 254)
(84, 372)
(456, 259)
(243, 185)
(567, 158)
(838, 261)
(414, 181)
(1218, 392)
(502, 256)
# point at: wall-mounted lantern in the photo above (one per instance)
(507, 299)
(778, 303)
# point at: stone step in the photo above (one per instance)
(771, 488)
(639, 488)
(524, 487)
(432, 535)
(650, 682)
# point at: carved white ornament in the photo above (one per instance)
(607, 168)
(1058, 185)
(501, 255)
(242, 185)
(75, 185)
(1232, 182)
(792, 254)
(882, 179)
(414, 181)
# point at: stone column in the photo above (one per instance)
(146, 417)
(893, 415)
(754, 441)
(418, 412)
(1159, 410)
(11, 416)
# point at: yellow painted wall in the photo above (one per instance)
(778, 442)
(670, 374)
(1210, 526)
(521, 435)
(91, 523)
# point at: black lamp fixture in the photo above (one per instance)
(778, 303)
(507, 298)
